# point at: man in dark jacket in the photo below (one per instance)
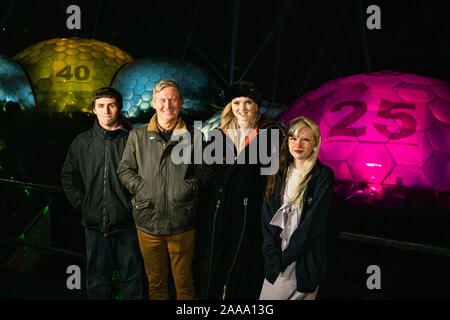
(165, 192)
(92, 186)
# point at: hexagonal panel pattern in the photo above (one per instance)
(438, 135)
(14, 84)
(65, 71)
(137, 80)
(211, 123)
(383, 127)
(370, 162)
(437, 170)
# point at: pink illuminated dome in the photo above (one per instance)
(383, 127)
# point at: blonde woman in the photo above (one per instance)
(294, 217)
(229, 246)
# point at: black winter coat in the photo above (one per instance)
(91, 183)
(229, 261)
(307, 243)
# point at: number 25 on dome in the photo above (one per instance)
(342, 128)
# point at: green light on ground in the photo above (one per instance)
(22, 236)
(45, 210)
(1, 168)
(27, 192)
(116, 284)
(116, 275)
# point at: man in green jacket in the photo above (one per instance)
(165, 192)
(92, 186)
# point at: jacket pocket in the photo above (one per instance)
(145, 193)
(306, 273)
(182, 214)
(83, 203)
(184, 193)
(140, 204)
(311, 268)
(91, 209)
(188, 205)
(143, 213)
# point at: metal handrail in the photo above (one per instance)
(43, 247)
(33, 185)
(11, 240)
(411, 246)
(417, 247)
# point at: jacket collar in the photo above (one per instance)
(275, 199)
(124, 127)
(316, 169)
(180, 128)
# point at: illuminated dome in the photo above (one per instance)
(65, 71)
(136, 82)
(14, 85)
(383, 127)
(211, 123)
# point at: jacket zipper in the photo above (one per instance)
(238, 249)
(158, 193)
(212, 246)
(105, 174)
(166, 178)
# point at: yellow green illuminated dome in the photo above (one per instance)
(65, 71)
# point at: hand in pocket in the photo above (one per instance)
(185, 191)
(144, 192)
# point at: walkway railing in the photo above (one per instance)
(382, 241)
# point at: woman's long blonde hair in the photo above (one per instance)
(286, 160)
(229, 122)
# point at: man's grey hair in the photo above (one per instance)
(167, 83)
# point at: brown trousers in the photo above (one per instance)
(155, 250)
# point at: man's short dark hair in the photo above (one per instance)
(107, 92)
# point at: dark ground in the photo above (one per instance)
(404, 275)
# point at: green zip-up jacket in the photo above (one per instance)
(165, 193)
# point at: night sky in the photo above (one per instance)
(286, 47)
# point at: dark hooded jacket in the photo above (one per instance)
(91, 183)
(229, 259)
